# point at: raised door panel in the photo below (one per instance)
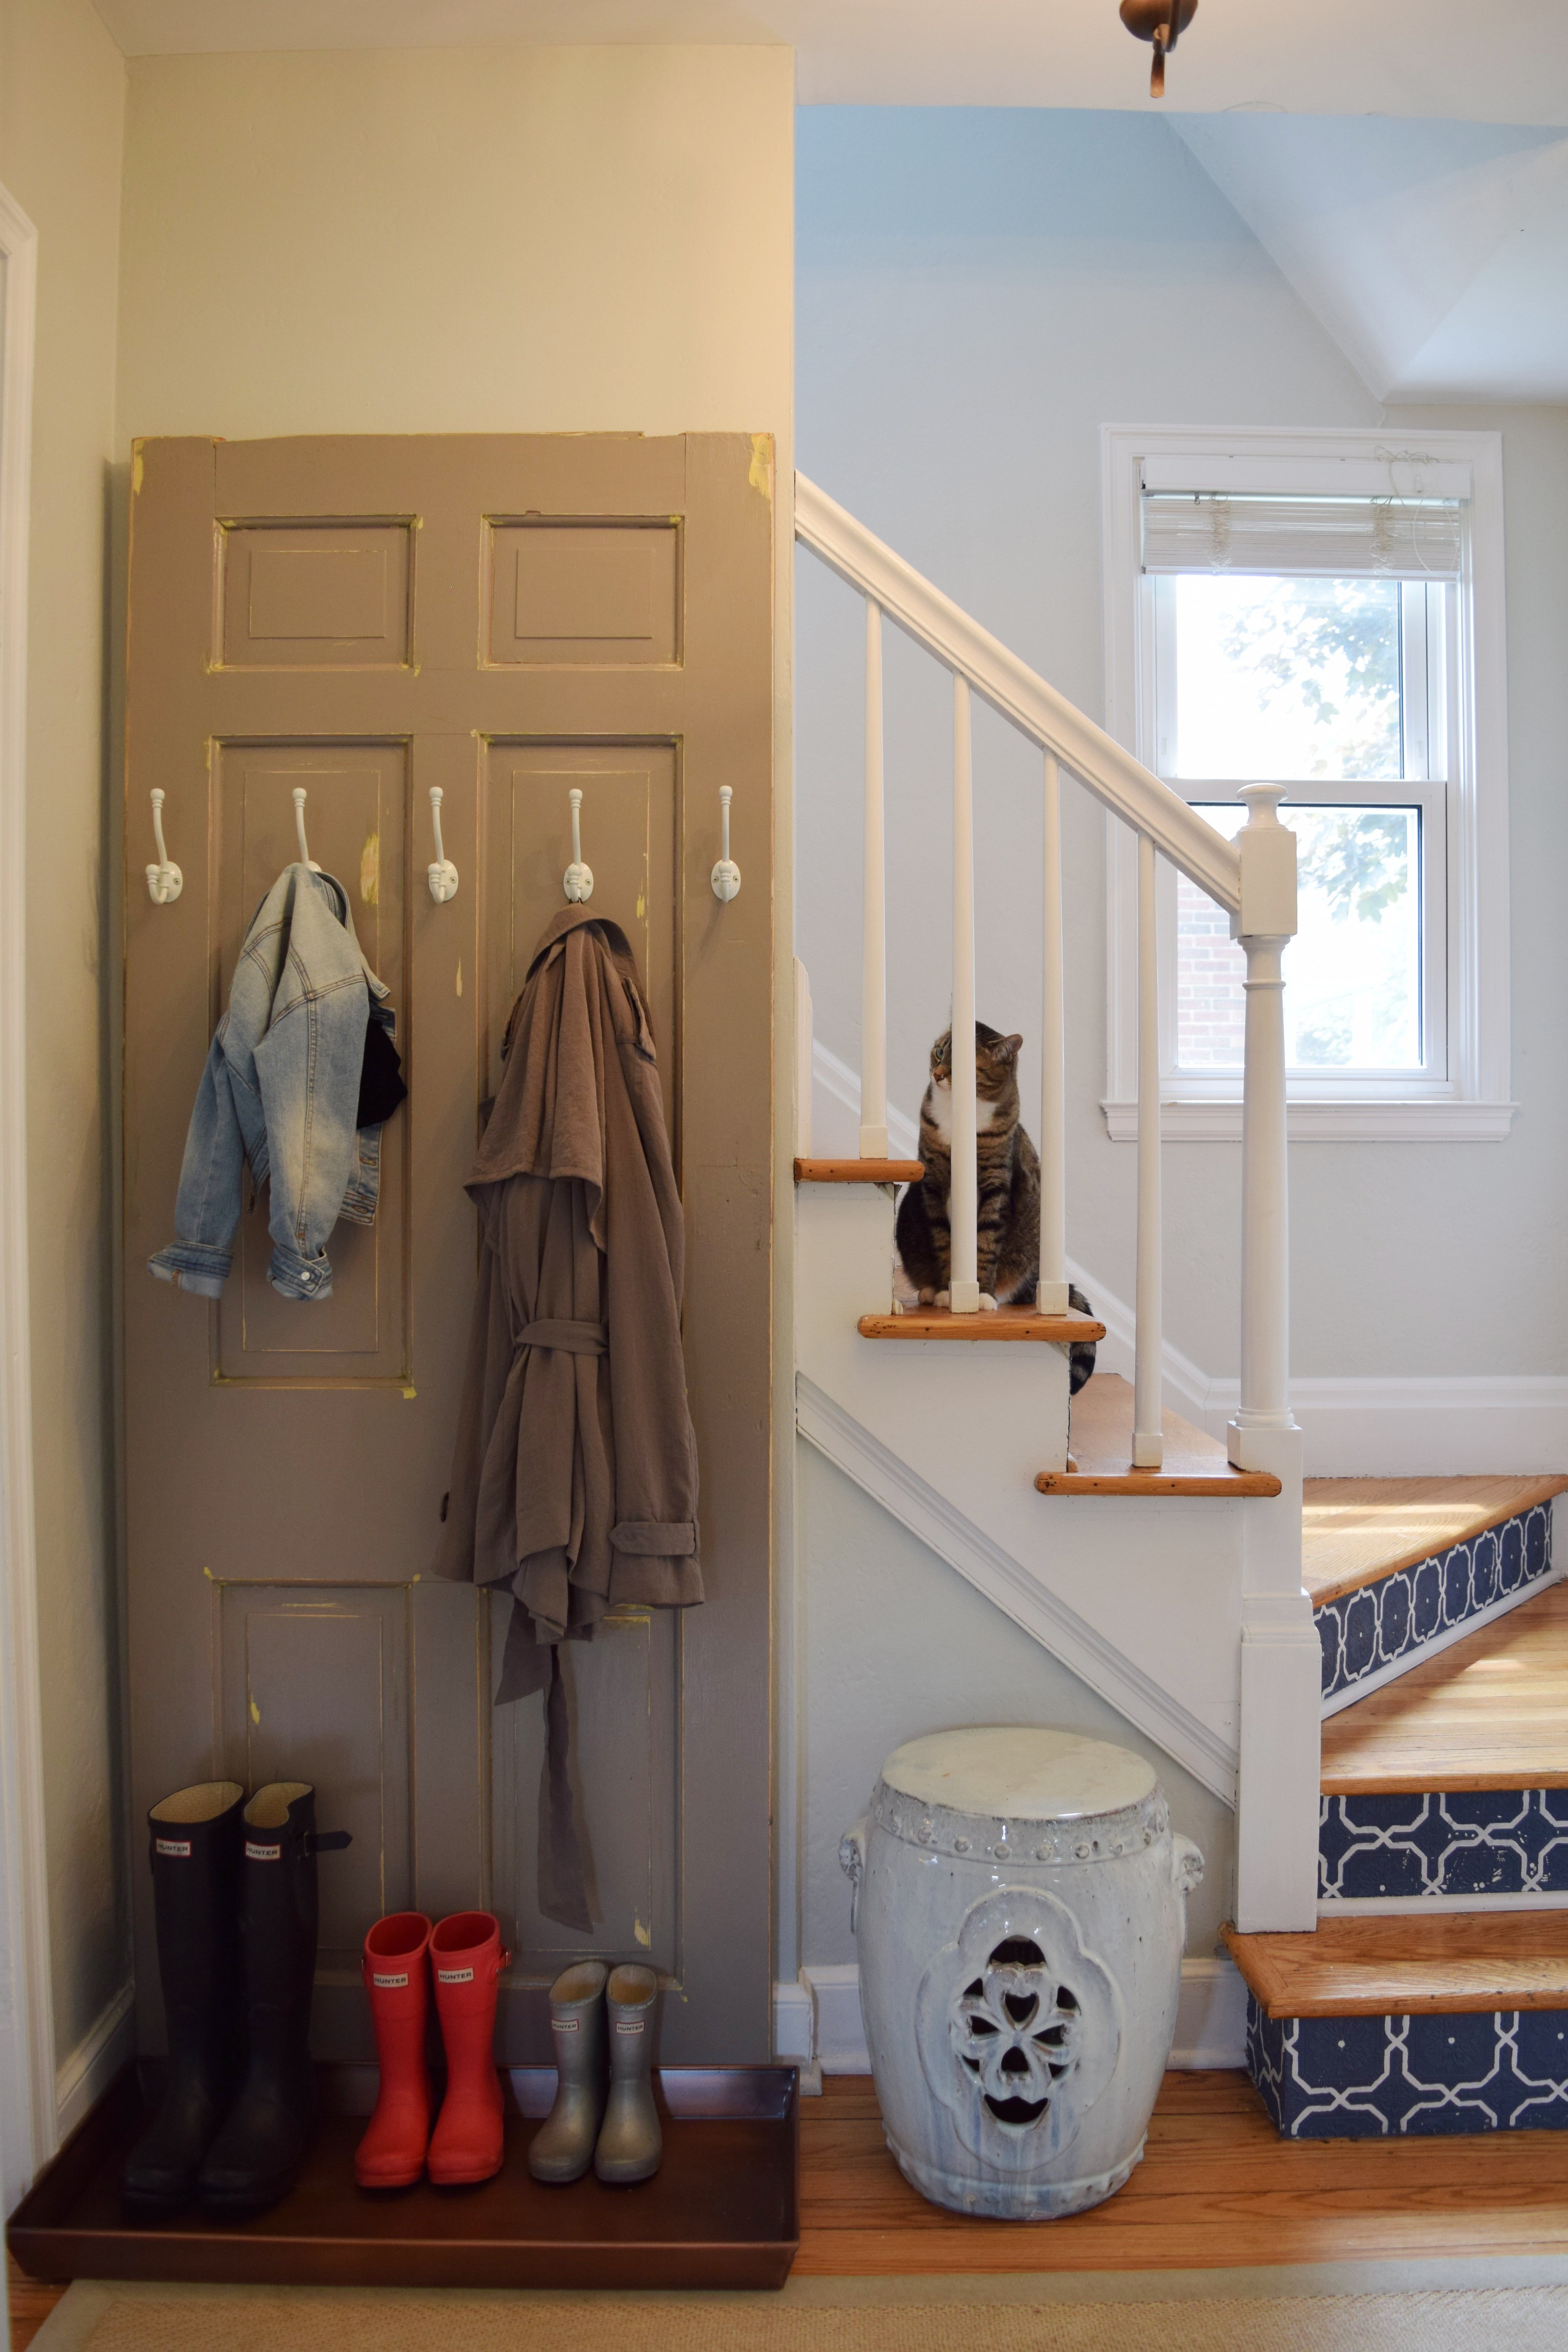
(315, 595)
(585, 594)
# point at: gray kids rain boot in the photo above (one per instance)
(631, 2143)
(562, 2149)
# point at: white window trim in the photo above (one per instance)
(1472, 1103)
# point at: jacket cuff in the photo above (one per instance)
(198, 1266)
(294, 1277)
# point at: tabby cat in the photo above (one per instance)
(1008, 1258)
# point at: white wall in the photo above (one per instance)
(893, 1643)
(978, 293)
(61, 104)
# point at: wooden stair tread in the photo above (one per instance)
(1004, 1323)
(858, 1171)
(1355, 1531)
(1101, 1442)
(1488, 1713)
(1456, 1960)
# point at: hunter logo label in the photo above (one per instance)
(254, 1852)
(454, 1975)
(179, 1847)
(564, 2024)
(389, 1984)
(628, 2025)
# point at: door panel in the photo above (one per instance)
(505, 618)
(321, 596)
(584, 594)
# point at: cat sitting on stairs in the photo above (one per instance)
(1009, 1253)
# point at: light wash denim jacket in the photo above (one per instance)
(280, 1090)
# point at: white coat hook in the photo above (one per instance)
(164, 880)
(305, 857)
(726, 874)
(578, 880)
(443, 875)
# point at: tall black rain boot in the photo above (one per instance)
(194, 1847)
(256, 2158)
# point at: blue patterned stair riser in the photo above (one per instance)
(1363, 1631)
(1383, 2077)
(1460, 1841)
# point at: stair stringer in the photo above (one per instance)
(1141, 1598)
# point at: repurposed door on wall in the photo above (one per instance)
(506, 618)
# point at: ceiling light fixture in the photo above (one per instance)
(1159, 21)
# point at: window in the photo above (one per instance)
(1312, 614)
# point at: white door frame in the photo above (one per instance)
(28, 2117)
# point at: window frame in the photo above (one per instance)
(1466, 1099)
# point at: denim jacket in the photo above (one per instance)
(280, 1090)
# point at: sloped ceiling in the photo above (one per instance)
(1434, 253)
(1479, 60)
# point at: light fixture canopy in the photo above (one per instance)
(1159, 21)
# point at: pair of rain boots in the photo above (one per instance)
(614, 2128)
(234, 1893)
(464, 1955)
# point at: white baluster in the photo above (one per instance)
(873, 949)
(1053, 1291)
(1267, 922)
(963, 1200)
(1147, 1441)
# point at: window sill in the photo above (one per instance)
(1325, 1122)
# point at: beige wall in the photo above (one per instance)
(506, 240)
(62, 84)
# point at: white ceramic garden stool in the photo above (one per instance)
(1020, 1909)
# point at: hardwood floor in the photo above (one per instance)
(1355, 1530)
(1487, 1714)
(30, 2306)
(1402, 1967)
(1217, 2189)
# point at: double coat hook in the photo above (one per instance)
(442, 875)
(578, 880)
(305, 857)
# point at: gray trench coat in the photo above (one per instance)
(574, 1473)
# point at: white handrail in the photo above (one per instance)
(1019, 693)
(964, 1193)
(874, 947)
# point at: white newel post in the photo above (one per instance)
(874, 947)
(1053, 1292)
(1149, 1343)
(964, 1199)
(1277, 1799)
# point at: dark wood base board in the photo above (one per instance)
(722, 2210)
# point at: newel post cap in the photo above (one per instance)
(1268, 852)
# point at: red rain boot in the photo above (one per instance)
(397, 1978)
(466, 1958)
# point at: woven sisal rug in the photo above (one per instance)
(258, 2319)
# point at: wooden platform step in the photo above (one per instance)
(1489, 1712)
(858, 1171)
(1451, 1963)
(1356, 1531)
(1003, 1323)
(1194, 1462)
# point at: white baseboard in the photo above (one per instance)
(82, 2077)
(1211, 2021)
(1385, 1426)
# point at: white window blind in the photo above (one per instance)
(1338, 539)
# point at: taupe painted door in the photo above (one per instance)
(506, 618)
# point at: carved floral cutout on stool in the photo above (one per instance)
(1018, 2028)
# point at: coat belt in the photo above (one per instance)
(572, 1338)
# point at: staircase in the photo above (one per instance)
(1434, 1995)
(1368, 1670)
